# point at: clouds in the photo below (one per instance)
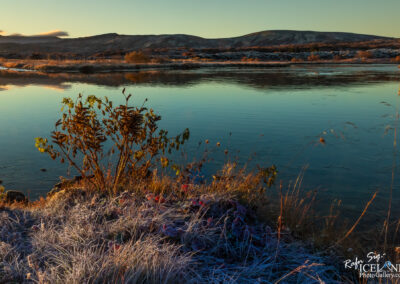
(54, 33)
(57, 33)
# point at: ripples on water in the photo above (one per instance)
(275, 115)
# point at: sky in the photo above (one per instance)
(206, 18)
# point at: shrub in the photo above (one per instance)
(294, 60)
(137, 57)
(337, 57)
(250, 59)
(364, 54)
(313, 57)
(187, 54)
(160, 60)
(396, 59)
(88, 126)
(36, 56)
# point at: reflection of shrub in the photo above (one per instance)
(90, 126)
(137, 57)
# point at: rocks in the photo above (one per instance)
(15, 196)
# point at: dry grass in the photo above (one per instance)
(156, 231)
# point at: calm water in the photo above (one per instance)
(275, 115)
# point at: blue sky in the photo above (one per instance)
(206, 18)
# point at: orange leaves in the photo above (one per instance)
(82, 134)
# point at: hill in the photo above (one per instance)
(24, 45)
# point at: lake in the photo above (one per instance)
(262, 116)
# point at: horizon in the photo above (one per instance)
(56, 34)
(207, 19)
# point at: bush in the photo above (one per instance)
(160, 60)
(36, 56)
(88, 126)
(137, 57)
(396, 59)
(294, 60)
(314, 57)
(364, 54)
(337, 57)
(250, 59)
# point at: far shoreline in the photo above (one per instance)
(110, 66)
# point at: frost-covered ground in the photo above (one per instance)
(81, 237)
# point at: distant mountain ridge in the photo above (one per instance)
(113, 41)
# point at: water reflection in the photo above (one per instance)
(281, 77)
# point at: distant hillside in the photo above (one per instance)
(115, 42)
(279, 37)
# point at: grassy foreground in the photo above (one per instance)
(156, 231)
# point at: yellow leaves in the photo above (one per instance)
(177, 169)
(138, 155)
(41, 144)
(164, 162)
(92, 100)
(67, 102)
(268, 174)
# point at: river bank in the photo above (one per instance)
(108, 66)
